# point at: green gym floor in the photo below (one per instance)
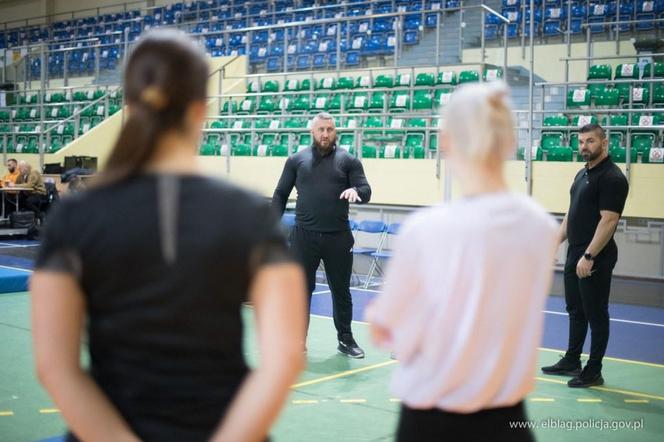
(339, 399)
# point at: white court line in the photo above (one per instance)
(651, 324)
(7, 244)
(320, 292)
(15, 268)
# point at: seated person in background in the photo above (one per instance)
(8, 181)
(12, 173)
(32, 180)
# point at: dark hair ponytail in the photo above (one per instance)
(166, 72)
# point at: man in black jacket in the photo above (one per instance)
(327, 179)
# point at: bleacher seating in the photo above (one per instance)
(400, 111)
(551, 18)
(22, 123)
(625, 89)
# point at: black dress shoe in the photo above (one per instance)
(564, 367)
(586, 379)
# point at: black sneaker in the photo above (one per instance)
(347, 346)
(586, 379)
(564, 367)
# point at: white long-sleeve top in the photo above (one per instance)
(463, 300)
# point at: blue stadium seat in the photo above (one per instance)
(411, 37)
(320, 61)
(274, 64)
(490, 32)
(304, 61)
(551, 27)
(352, 58)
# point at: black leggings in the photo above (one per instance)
(434, 425)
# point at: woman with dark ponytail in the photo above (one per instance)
(155, 262)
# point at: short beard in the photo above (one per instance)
(323, 149)
(591, 156)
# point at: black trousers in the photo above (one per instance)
(587, 302)
(31, 202)
(335, 249)
(436, 425)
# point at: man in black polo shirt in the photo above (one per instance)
(327, 179)
(597, 199)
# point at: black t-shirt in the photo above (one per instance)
(164, 262)
(320, 180)
(604, 187)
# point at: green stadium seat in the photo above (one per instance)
(280, 148)
(377, 101)
(230, 103)
(555, 120)
(551, 140)
(252, 87)
(653, 155)
(598, 88)
(492, 74)
(645, 121)
(369, 151)
(578, 98)
(320, 103)
(582, 120)
(627, 71)
(359, 102)
(334, 103)
(398, 124)
(425, 79)
(560, 153)
(220, 124)
(400, 101)
(295, 123)
(643, 141)
(599, 72)
(442, 97)
(615, 139)
(403, 80)
(640, 95)
(615, 120)
(383, 81)
(433, 138)
(345, 83)
(305, 85)
(536, 154)
(447, 77)
(468, 77)
(4, 115)
(658, 73)
(207, 149)
(301, 104)
(326, 83)
(304, 140)
(247, 106)
(658, 94)
(619, 154)
(373, 122)
(416, 152)
(347, 142)
(422, 100)
(390, 151)
(292, 86)
(271, 86)
(363, 81)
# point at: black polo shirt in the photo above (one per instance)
(604, 187)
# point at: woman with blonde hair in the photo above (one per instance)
(464, 292)
(155, 262)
